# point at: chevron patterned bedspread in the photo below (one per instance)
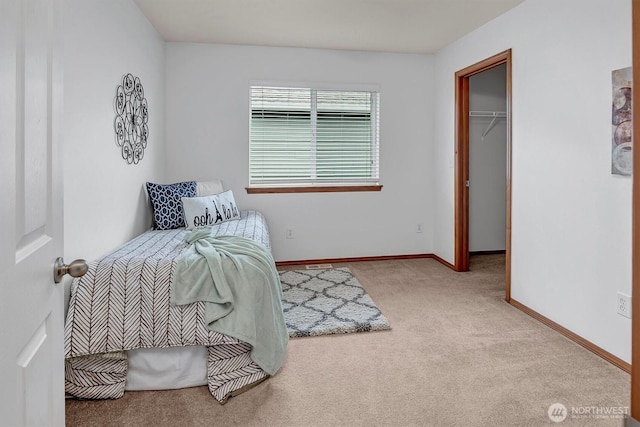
(123, 303)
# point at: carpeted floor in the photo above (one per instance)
(457, 355)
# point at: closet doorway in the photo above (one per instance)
(483, 154)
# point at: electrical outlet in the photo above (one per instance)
(419, 227)
(624, 305)
(289, 233)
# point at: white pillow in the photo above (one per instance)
(209, 210)
(208, 188)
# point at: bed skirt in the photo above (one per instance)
(230, 371)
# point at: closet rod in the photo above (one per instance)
(488, 113)
(495, 114)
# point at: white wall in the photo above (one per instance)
(487, 161)
(208, 130)
(571, 219)
(104, 200)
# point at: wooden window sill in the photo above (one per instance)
(313, 189)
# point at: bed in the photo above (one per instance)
(123, 331)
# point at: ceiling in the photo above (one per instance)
(403, 26)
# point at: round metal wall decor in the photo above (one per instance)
(132, 117)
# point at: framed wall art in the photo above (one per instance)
(622, 135)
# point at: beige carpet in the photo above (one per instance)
(457, 355)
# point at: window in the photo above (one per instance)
(304, 136)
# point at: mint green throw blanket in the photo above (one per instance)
(237, 280)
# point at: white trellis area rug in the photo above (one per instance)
(328, 301)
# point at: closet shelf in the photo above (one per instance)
(495, 114)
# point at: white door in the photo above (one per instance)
(31, 305)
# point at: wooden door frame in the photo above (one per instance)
(461, 209)
(635, 228)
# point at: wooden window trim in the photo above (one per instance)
(313, 189)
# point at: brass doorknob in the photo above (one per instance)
(77, 268)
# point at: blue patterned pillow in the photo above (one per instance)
(167, 203)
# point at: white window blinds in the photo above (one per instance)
(307, 136)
